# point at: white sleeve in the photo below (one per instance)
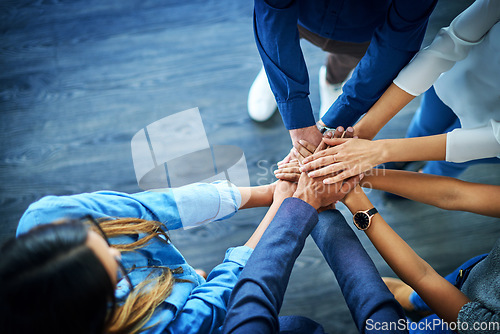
(451, 44)
(471, 144)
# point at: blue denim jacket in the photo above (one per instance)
(195, 307)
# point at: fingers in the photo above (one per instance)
(308, 146)
(293, 163)
(339, 131)
(288, 172)
(303, 149)
(288, 169)
(291, 177)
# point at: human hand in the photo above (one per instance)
(283, 189)
(320, 195)
(348, 157)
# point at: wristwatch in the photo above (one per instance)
(323, 128)
(363, 219)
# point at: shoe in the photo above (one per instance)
(261, 102)
(401, 292)
(328, 92)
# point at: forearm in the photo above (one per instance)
(389, 104)
(441, 191)
(438, 293)
(311, 134)
(412, 149)
(252, 197)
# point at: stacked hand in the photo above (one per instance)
(314, 190)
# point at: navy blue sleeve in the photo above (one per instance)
(370, 302)
(277, 39)
(257, 297)
(392, 46)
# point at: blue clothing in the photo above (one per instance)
(433, 117)
(395, 28)
(371, 303)
(257, 297)
(197, 306)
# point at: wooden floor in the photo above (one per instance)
(79, 78)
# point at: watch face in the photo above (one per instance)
(362, 220)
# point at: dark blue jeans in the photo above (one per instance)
(433, 117)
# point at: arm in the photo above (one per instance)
(205, 310)
(441, 296)
(174, 206)
(252, 197)
(444, 192)
(392, 46)
(257, 297)
(351, 157)
(452, 44)
(365, 293)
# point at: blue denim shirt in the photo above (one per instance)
(195, 307)
(395, 29)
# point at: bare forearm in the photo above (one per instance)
(439, 294)
(444, 192)
(252, 197)
(389, 104)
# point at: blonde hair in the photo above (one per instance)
(136, 311)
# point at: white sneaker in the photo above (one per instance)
(328, 93)
(261, 102)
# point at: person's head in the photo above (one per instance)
(61, 278)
